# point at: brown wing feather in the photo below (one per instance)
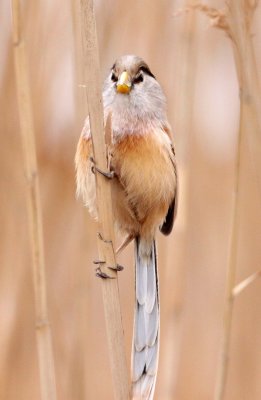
(167, 225)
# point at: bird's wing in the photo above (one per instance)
(167, 225)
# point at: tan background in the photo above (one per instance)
(194, 63)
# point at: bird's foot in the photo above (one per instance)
(108, 175)
(104, 240)
(103, 275)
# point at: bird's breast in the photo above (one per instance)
(145, 169)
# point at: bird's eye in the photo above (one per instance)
(138, 79)
(114, 77)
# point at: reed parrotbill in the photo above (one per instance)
(144, 194)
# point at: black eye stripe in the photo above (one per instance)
(113, 77)
(138, 78)
(147, 71)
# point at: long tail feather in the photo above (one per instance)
(145, 345)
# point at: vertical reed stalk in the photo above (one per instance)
(230, 280)
(236, 22)
(239, 17)
(79, 94)
(81, 350)
(43, 332)
(184, 95)
(110, 288)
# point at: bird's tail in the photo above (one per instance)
(145, 345)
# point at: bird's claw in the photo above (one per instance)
(98, 262)
(101, 274)
(108, 175)
(117, 268)
(104, 240)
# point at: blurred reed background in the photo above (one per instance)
(195, 65)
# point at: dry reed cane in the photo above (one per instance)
(111, 301)
(236, 22)
(79, 94)
(78, 364)
(239, 32)
(43, 332)
(184, 94)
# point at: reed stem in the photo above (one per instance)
(43, 331)
(111, 301)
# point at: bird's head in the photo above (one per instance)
(130, 73)
(131, 84)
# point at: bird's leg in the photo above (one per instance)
(124, 244)
(108, 175)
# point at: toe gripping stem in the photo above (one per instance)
(108, 175)
(99, 272)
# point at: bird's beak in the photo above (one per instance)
(124, 83)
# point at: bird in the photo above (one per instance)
(144, 188)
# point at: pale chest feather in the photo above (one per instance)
(145, 167)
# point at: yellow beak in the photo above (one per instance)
(124, 83)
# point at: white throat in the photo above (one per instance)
(134, 114)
